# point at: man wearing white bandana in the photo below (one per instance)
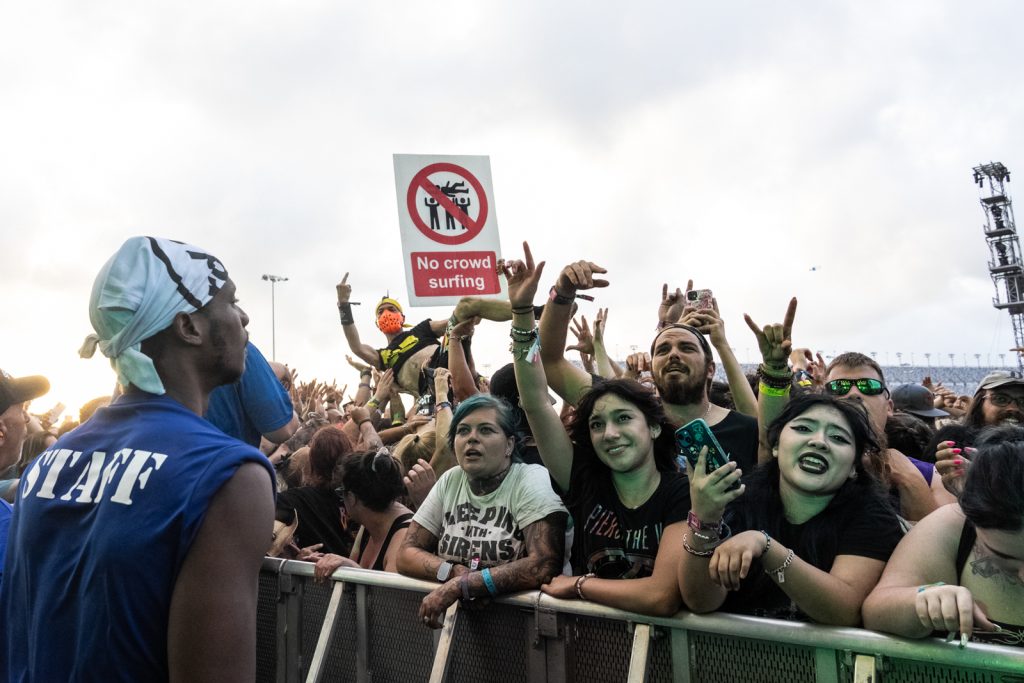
(137, 539)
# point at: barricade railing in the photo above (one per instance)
(363, 626)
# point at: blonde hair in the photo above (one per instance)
(415, 446)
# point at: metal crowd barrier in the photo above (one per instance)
(363, 627)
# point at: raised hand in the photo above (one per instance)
(584, 339)
(580, 275)
(599, 324)
(344, 290)
(360, 367)
(672, 303)
(637, 364)
(522, 277)
(419, 480)
(707, 320)
(775, 341)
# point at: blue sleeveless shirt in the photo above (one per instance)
(102, 525)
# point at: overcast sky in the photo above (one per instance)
(742, 145)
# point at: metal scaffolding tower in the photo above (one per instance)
(1005, 264)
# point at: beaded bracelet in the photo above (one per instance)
(767, 543)
(773, 380)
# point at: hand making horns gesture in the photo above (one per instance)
(775, 341)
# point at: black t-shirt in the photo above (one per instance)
(874, 531)
(738, 435)
(405, 345)
(610, 539)
(319, 514)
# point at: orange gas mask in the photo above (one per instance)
(390, 322)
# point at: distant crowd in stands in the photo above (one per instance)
(815, 490)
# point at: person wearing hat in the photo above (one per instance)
(918, 401)
(998, 400)
(15, 393)
(410, 351)
(137, 539)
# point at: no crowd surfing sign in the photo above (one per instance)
(450, 243)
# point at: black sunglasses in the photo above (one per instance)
(868, 387)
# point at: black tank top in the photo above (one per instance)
(401, 522)
(1011, 634)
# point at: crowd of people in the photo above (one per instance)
(820, 494)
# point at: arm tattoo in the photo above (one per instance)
(544, 550)
(984, 565)
(419, 539)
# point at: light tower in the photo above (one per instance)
(1003, 246)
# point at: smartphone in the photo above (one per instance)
(692, 437)
(699, 298)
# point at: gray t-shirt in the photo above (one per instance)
(487, 527)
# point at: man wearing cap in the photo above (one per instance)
(409, 352)
(998, 400)
(917, 401)
(138, 537)
(14, 394)
(682, 365)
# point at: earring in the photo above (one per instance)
(655, 431)
(775, 452)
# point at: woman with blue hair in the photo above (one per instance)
(493, 524)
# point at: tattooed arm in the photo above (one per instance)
(418, 557)
(544, 548)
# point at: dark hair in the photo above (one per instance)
(505, 416)
(975, 416)
(992, 498)
(327, 447)
(760, 507)
(721, 395)
(374, 477)
(909, 434)
(645, 400)
(853, 359)
(503, 385)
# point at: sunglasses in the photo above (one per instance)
(1003, 400)
(868, 387)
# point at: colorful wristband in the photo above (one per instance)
(489, 582)
(763, 388)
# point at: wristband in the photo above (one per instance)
(489, 582)
(345, 313)
(763, 388)
(362, 422)
(524, 310)
(696, 524)
(364, 384)
(561, 299)
(464, 585)
(373, 404)
(442, 405)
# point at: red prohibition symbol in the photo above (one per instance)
(453, 200)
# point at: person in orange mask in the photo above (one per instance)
(412, 349)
